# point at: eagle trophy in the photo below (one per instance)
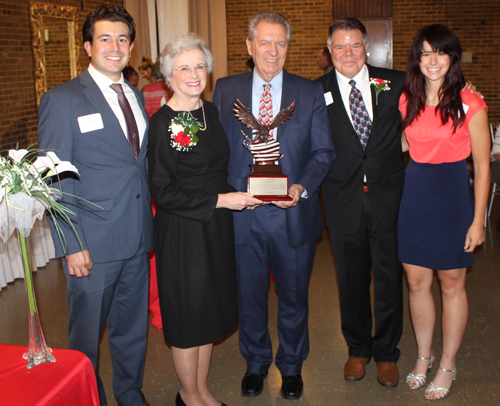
(264, 149)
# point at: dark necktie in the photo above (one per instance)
(133, 132)
(359, 114)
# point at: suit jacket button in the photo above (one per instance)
(138, 196)
(364, 157)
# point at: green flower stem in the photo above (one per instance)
(27, 273)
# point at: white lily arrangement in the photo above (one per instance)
(24, 192)
(24, 197)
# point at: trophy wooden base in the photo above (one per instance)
(268, 183)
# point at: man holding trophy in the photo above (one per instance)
(280, 236)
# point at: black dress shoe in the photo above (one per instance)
(179, 401)
(292, 387)
(252, 384)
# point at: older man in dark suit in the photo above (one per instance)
(362, 194)
(98, 123)
(281, 235)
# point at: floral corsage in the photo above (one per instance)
(379, 85)
(183, 129)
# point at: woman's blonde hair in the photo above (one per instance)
(146, 62)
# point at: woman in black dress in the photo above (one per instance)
(188, 157)
(440, 223)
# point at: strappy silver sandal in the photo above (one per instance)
(417, 381)
(439, 393)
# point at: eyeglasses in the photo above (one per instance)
(198, 68)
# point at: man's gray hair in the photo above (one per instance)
(179, 44)
(269, 16)
(347, 24)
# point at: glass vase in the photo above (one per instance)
(38, 352)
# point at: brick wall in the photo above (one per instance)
(18, 111)
(476, 23)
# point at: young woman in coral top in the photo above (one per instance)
(440, 218)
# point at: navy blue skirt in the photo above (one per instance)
(435, 214)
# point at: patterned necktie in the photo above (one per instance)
(266, 106)
(133, 132)
(359, 114)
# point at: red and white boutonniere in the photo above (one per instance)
(379, 85)
(183, 129)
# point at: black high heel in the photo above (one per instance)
(178, 400)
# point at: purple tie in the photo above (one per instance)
(359, 114)
(133, 132)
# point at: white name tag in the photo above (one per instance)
(90, 122)
(328, 98)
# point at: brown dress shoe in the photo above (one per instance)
(354, 369)
(388, 374)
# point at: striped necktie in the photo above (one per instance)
(266, 106)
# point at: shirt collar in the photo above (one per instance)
(361, 77)
(102, 80)
(276, 83)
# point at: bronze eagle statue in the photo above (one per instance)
(244, 114)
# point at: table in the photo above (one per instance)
(70, 381)
(41, 250)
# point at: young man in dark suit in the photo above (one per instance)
(362, 193)
(98, 123)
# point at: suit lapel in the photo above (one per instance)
(338, 104)
(374, 96)
(95, 96)
(243, 92)
(144, 144)
(289, 93)
(378, 110)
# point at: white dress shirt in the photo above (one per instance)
(111, 97)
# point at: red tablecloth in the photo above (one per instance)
(70, 381)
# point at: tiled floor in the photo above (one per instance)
(478, 380)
